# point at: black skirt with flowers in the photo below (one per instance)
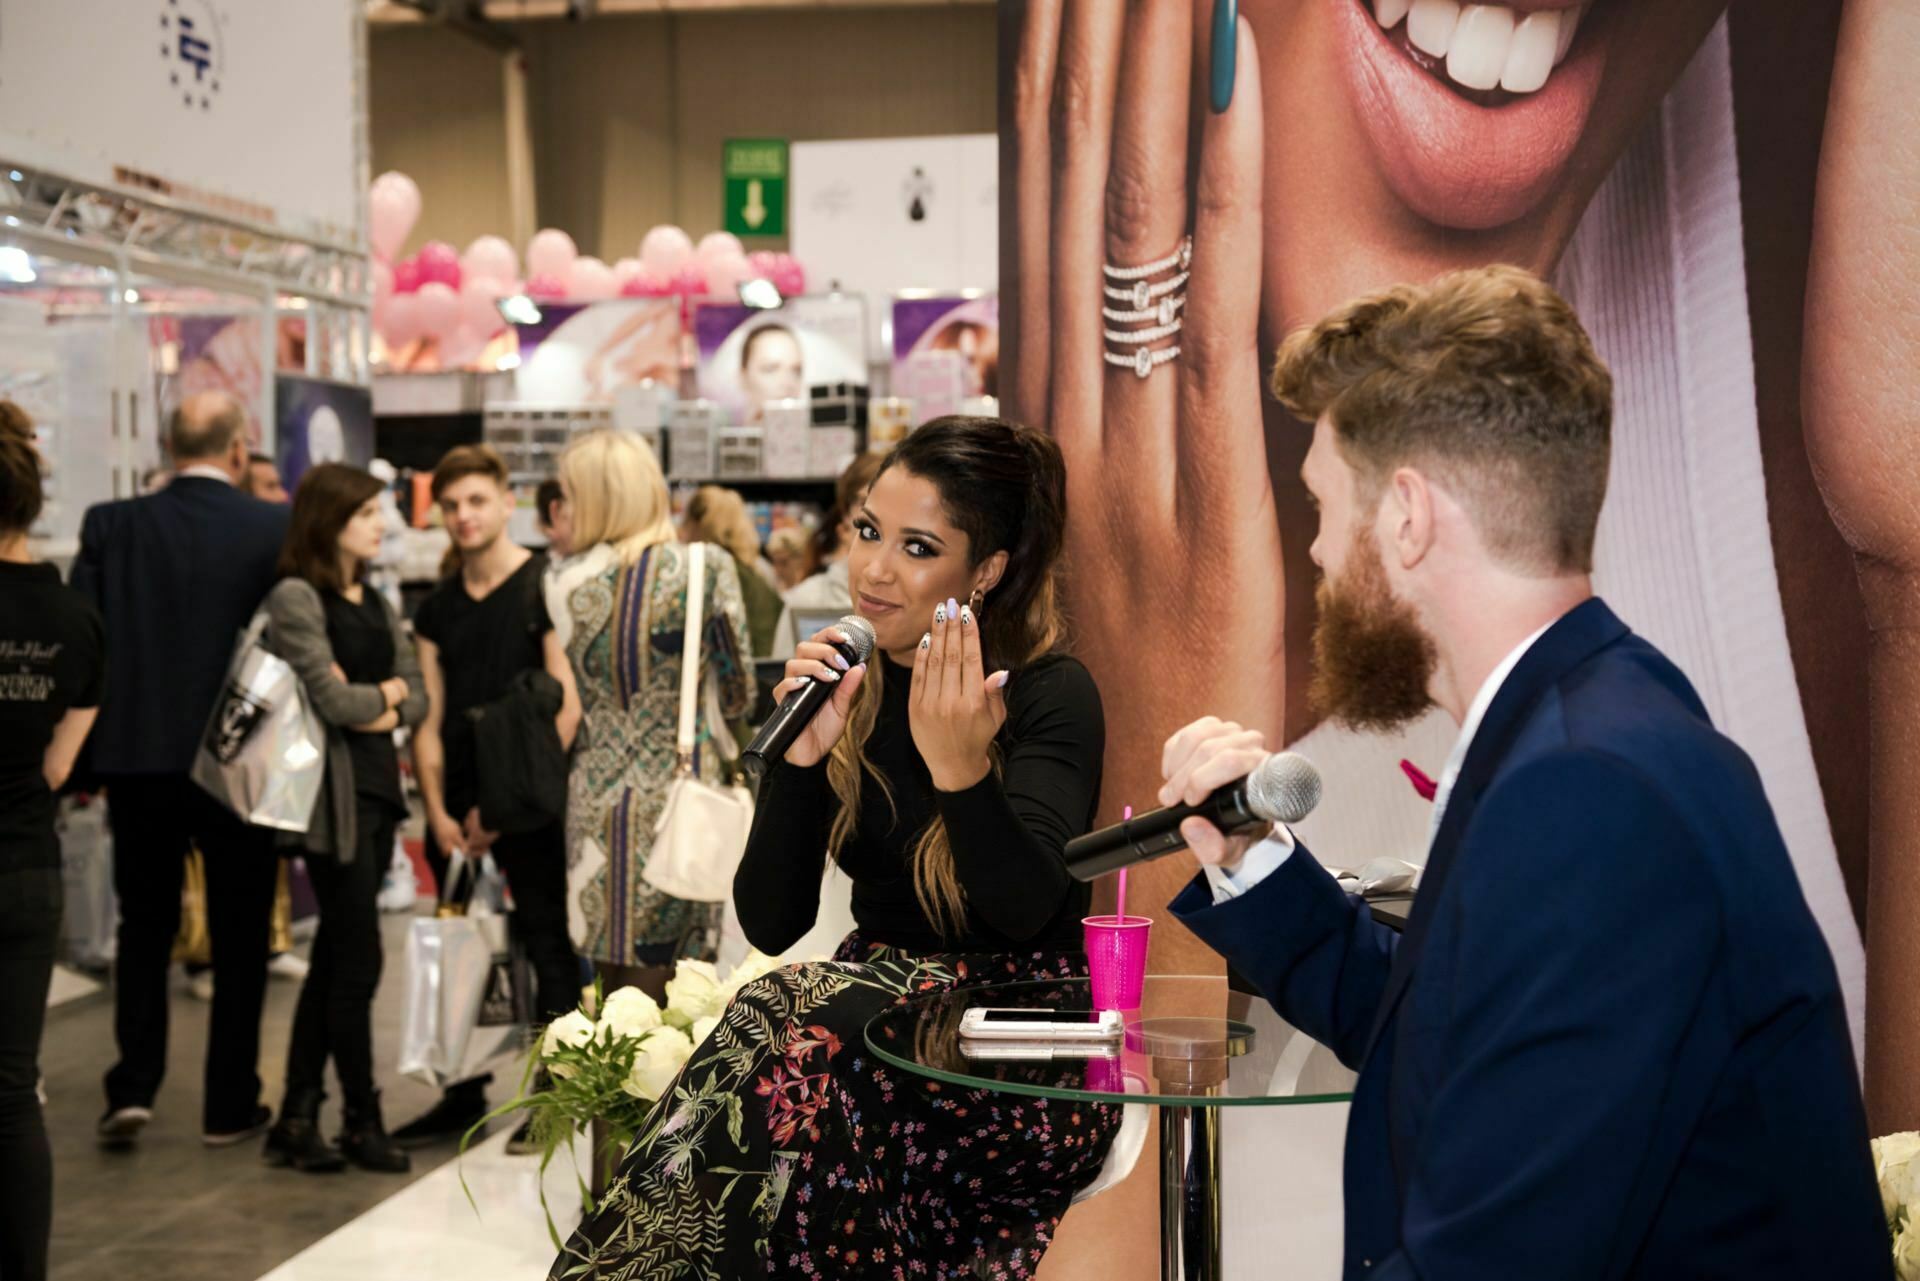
(785, 1149)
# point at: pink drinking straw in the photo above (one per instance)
(1120, 904)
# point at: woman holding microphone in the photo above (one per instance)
(945, 777)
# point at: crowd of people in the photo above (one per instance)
(1588, 1074)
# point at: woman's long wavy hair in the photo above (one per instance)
(1005, 487)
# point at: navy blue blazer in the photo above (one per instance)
(175, 575)
(1611, 1042)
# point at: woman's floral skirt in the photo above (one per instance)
(786, 1149)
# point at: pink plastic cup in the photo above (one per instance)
(1117, 959)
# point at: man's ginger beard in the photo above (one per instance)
(1373, 662)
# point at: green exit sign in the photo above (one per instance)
(754, 171)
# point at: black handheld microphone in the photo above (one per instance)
(800, 707)
(1284, 788)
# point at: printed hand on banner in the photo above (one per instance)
(1172, 542)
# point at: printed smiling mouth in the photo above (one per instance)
(1488, 54)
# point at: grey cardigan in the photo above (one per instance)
(297, 632)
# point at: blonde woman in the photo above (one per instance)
(945, 778)
(624, 600)
(719, 515)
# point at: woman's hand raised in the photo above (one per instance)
(817, 659)
(955, 712)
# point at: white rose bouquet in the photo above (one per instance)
(1893, 1161)
(608, 1062)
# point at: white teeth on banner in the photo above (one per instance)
(1389, 12)
(1430, 25)
(1477, 54)
(1486, 46)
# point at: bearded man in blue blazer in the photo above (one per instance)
(1610, 1044)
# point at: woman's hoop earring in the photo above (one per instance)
(975, 601)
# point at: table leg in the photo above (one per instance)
(1190, 1194)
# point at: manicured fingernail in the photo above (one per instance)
(831, 676)
(1226, 42)
(966, 616)
(939, 613)
(1000, 681)
(953, 607)
(926, 640)
(840, 662)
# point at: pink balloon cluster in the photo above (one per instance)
(452, 297)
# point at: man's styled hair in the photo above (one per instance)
(1485, 380)
(463, 461)
(204, 427)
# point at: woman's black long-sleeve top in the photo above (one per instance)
(1008, 831)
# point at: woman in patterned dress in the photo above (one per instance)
(625, 601)
(784, 1148)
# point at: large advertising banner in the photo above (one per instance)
(241, 108)
(1662, 164)
(749, 356)
(585, 353)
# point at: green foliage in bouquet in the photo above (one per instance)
(608, 1062)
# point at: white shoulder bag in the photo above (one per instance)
(702, 832)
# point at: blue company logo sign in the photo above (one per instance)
(192, 51)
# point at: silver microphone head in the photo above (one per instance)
(1284, 789)
(859, 636)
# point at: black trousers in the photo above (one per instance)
(334, 1018)
(155, 818)
(29, 929)
(535, 865)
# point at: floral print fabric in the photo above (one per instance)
(786, 1149)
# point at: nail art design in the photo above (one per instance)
(1226, 41)
(966, 616)
(926, 640)
(939, 613)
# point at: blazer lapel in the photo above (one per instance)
(1586, 628)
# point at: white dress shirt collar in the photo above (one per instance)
(204, 471)
(1476, 712)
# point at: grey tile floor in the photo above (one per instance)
(171, 1209)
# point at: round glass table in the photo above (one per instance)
(1192, 1048)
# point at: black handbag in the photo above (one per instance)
(520, 765)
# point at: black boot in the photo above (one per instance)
(459, 1109)
(365, 1141)
(295, 1138)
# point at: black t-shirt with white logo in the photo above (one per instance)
(53, 657)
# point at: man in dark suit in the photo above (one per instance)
(176, 575)
(1610, 1043)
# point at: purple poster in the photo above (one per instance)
(584, 353)
(945, 350)
(749, 357)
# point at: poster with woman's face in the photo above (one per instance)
(1656, 159)
(750, 356)
(945, 350)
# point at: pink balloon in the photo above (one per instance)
(463, 347)
(479, 311)
(406, 276)
(402, 318)
(439, 261)
(690, 283)
(666, 249)
(763, 264)
(491, 257)
(439, 309)
(551, 252)
(718, 246)
(393, 206)
(789, 277)
(546, 286)
(725, 274)
(648, 284)
(591, 281)
(626, 269)
(382, 281)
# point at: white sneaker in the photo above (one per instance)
(288, 965)
(200, 986)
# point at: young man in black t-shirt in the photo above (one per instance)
(480, 629)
